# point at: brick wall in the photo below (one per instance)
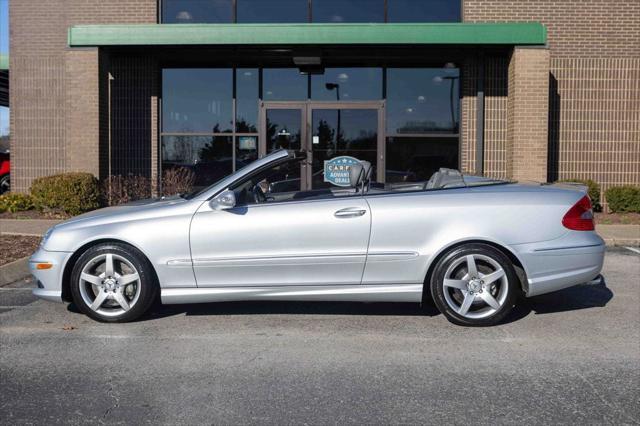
(594, 99)
(527, 114)
(576, 28)
(55, 123)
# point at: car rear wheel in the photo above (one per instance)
(474, 285)
(113, 283)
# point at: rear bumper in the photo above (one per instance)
(49, 280)
(576, 258)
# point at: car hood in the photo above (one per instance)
(125, 211)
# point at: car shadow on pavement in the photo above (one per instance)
(584, 296)
(293, 308)
(579, 297)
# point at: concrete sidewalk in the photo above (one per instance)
(614, 235)
(26, 226)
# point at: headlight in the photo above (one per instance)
(46, 236)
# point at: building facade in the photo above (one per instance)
(528, 90)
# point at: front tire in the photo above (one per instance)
(113, 282)
(474, 285)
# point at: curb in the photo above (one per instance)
(620, 242)
(14, 271)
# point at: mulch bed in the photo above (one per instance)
(617, 218)
(14, 247)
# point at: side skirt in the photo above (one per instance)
(340, 293)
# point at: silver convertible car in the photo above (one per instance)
(472, 245)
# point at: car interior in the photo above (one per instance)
(259, 188)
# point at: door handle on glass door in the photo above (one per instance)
(349, 212)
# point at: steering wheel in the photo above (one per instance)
(258, 194)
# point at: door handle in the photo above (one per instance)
(349, 212)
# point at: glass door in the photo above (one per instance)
(324, 130)
(283, 125)
(344, 130)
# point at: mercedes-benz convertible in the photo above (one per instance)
(472, 245)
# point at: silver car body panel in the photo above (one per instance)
(376, 247)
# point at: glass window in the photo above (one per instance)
(277, 11)
(197, 100)
(337, 132)
(209, 157)
(247, 88)
(415, 159)
(284, 84)
(347, 84)
(423, 11)
(197, 11)
(246, 150)
(338, 11)
(423, 100)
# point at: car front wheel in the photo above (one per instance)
(113, 283)
(474, 285)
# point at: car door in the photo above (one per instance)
(311, 242)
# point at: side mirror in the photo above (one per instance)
(224, 201)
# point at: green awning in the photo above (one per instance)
(529, 33)
(4, 62)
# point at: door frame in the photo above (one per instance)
(306, 110)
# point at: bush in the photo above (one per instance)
(623, 199)
(15, 202)
(178, 180)
(118, 190)
(593, 189)
(73, 193)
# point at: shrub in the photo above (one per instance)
(623, 199)
(73, 193)
(15, 202)
(118, 190)
(178, 180)
(593, 189)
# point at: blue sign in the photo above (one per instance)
(336, 170)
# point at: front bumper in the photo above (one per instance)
(49, 281)
(573, 259)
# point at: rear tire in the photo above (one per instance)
(113, 282)
(474, 285)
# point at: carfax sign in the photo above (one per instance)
(336, 170)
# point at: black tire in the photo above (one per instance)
(504, 293)
(5, 184)
(148, 287)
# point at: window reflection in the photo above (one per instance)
(423, 100)
(423, 11)
(338, 11)
(283, 129)
(197, 100)
(347, 84)
(337, 132)
(284, 84)
(209, 157)
(197, 11)
(278, 11)
(414, 159)
(247, 87)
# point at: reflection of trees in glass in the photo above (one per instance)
(243, 126)
(277, 141)
(326, 135)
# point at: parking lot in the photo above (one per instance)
(572, 356)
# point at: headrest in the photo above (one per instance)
(355, 174)
(360, 174)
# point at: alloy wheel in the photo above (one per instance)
(109, 284)
(475, 286)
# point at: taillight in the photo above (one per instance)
(580, 216)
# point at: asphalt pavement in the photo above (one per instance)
(568, 357)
